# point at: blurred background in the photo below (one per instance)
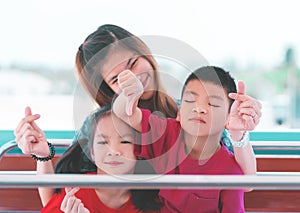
(257, 41)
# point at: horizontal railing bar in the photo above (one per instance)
(274, 182)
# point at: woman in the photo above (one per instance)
(104, 54)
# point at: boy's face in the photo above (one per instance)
(204, 108)
(113, 149)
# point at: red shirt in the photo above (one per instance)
(90, 200)
(163, 144)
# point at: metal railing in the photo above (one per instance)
(12, 145)
(288, 181)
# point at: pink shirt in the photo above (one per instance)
(163, 144)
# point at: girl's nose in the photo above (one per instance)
(114, 151)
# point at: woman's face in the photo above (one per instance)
(122, 59)
(113, 149)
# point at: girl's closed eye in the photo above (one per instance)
(126, 142)
(102, 142)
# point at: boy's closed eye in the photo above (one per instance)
(213, 105)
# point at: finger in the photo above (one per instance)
(254, 105)
(28, 111)
(75, 207)
(71, 191)
(82, 209)
(27, 119)
(25, 129)
(250, 125)
(241, 88)
(124, 75)
(70, 203)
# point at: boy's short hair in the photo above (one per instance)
(215, 75)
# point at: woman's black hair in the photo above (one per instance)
(78, 156)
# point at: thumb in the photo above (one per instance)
(129, 106)
(28, 111)
(241, 88)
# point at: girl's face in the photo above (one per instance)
(113, 149)
(122, 59)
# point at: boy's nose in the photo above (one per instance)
(199, 109)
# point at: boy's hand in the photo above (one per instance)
(131, 88)
(245, 111)
(71, 204)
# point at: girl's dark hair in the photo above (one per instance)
(78, 156)
(92, 54)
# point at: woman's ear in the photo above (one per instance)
(178, 115)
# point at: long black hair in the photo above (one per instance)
(78, 155)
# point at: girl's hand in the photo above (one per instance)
(131, 87)
(245, 111)
(71, 204)
(29, 137)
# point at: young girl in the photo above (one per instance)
(112, 152)
(104, 54)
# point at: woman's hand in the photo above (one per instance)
(245, 111)
(29, 137)
(132, 89)
(71, 204)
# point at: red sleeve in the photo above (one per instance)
(152, 136)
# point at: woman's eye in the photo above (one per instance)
(134, 62)
(115, 80)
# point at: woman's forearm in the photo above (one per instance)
(45, 168)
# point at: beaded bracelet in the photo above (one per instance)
(52, 153)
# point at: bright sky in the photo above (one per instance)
(49, 32)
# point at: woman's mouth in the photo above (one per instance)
(145, 79)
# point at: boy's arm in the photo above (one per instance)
(125, 105)
(244, 116)
(244, 155)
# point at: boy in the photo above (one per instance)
(191, 143)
